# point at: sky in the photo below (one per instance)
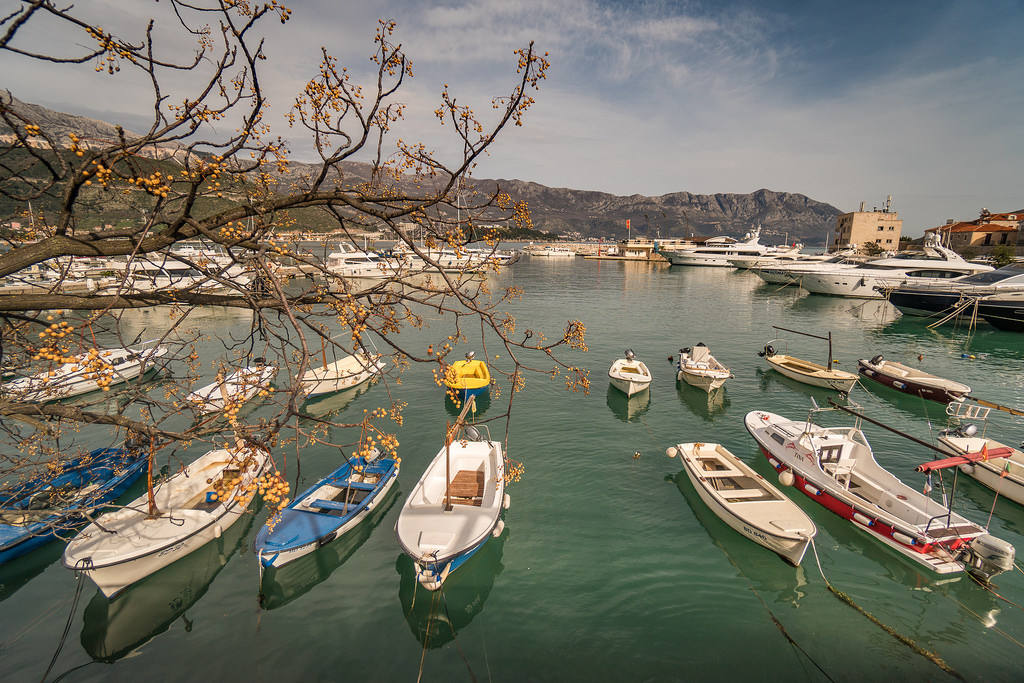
(841, 101)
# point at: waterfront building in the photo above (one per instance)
(881, 226)
(988, 230)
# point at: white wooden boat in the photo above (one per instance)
(835, 468)
(629, 375)
(194, 507)
(745, 500)
(87, 372)
(346, 373)
(994, 464)
(235, 389)
(812, 373)
(806, 371)
(454, 508)
(698, 368)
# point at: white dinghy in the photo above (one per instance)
(629, 375)
(193, 507)
(97, 369)
(235, 389)
(350, 371)
(745, 500)
(997, 465)
(455, 507)
(698, 368)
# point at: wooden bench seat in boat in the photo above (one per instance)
(357, 485)
(467, 488)
(729, 494)
(321, 504)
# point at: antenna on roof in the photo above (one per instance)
(888, 203)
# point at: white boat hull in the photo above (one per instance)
(629, 387)
(702, 380)
(319, 381)
(990, 473)
(844, 384)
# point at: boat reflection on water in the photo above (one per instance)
(114, 628)
(282, 585)
(436, 617)
(701, 403)
(332, 404)
(767, 572)
(19, 571)
(482, 403)
(631, 408)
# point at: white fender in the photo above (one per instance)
(862, 519)
(217, 531)
(902, 538)
(786, 478)
(811, 490)
(498, 528)
(506, 502)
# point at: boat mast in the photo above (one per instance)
(815, 336)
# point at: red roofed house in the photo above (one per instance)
(989, 230)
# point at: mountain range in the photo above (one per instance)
(583, 213)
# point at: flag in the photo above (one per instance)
(627, 224)
(984, 451)
(1005, 472)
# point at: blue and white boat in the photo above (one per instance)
(326, 510)
(34, 512)
(455, 507)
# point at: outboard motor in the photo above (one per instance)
(768, 352)
(630, 355)
(986, 556)
(876, 360)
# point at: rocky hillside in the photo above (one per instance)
(561, 210)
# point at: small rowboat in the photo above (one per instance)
(912, 380)
(194, 507)
(466, 378)
(745, 500)
(37, 511)
(698, 368)
(327, 510)
(809, 372)
(454, 508)
(87, 372)
(236, 389)
(350, 371)
(629, 375)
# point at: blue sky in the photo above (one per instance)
(840, 101)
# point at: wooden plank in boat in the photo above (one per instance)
(946, 532)
(467, 488)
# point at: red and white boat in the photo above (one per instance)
(834, 466)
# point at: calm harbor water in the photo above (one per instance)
(609, 568)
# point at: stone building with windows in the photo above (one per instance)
(987, 231)
(881, 226)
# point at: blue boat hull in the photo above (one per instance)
(19, 540)
(463, 394)
(431, 575)
(298, 531)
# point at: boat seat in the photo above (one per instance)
(321, 504)
(741, 493)
(467, 488)
(357, 485)
(842, 469)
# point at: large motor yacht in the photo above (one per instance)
(1005, 284)
(935, 264)
(718, 250)
(783, 272)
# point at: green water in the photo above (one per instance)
(609, 568)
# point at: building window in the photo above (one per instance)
(892, 227)
(1002, 238)
(888, 241)
(881, 228)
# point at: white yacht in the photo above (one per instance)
(550, 251)
(936, 264)
(787, 258)
(353, 263)
(790, 273)
(718, 250)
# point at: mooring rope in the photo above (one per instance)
(67, 624)
(982, 620)
(426, 636)
(927, 654)
(444, 601)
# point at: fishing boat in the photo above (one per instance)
(806, 371)
(326, 511)
(87, 372)
(350, 371)
(697, 367)
(912, 381)
(456, 505)
(192, 508)
(745, 500)
(235, 389)
(629, 375)
(467, 378)
(994, 464)
(37, 511)
(835, 467)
